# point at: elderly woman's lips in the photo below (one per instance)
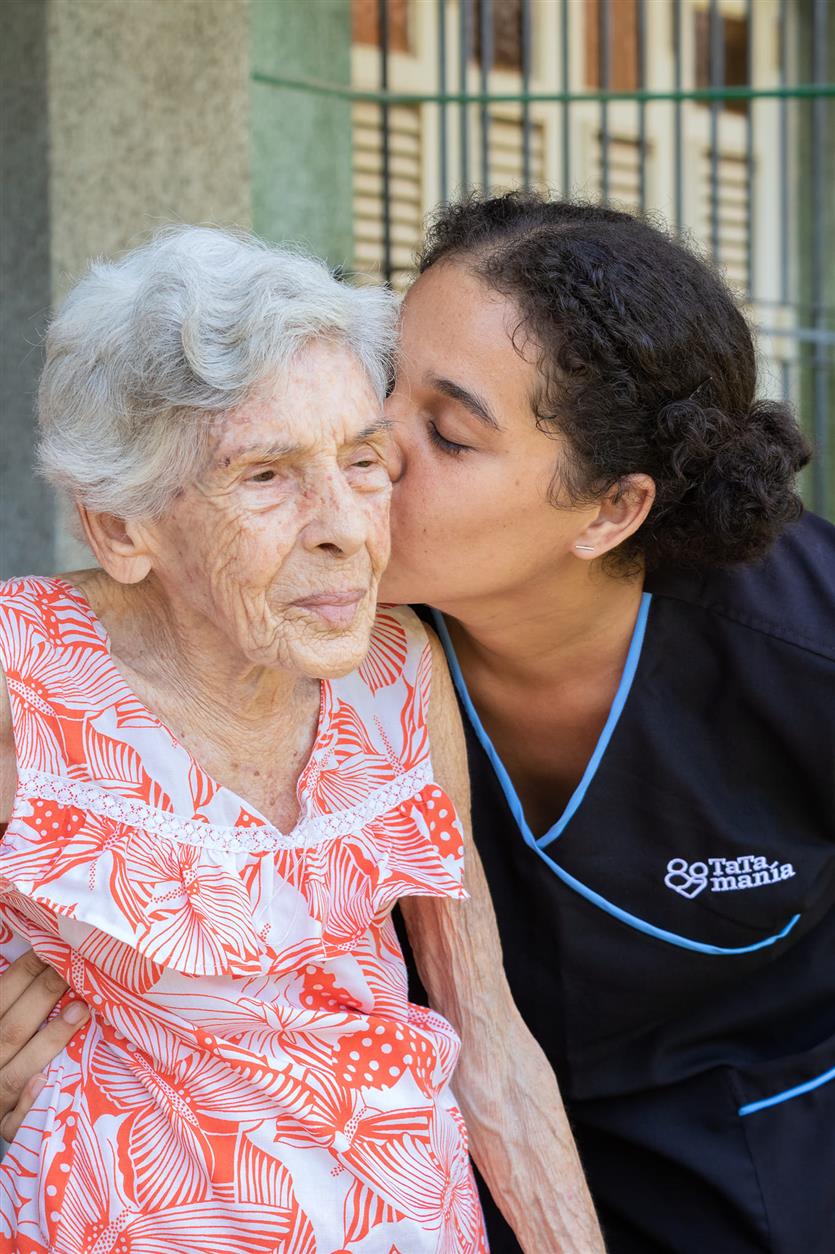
(336, 608)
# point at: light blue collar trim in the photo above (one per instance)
(630, 667)
(624, 916)
(576, 799)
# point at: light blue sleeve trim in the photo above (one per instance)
(788, 1094)
(515, 805)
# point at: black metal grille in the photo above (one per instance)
(717, 114)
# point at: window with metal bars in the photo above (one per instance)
(712, 113)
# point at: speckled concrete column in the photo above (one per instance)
(121, 115)
(149, 121)
(27, 520)
(118, 116)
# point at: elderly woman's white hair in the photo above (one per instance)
(148, 350)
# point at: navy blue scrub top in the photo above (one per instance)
(671, 940)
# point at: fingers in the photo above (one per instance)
(29, 991)
(25, 1001)
(18, 976)
(10, 1123)
(22, 1078)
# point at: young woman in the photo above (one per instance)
(639, 621)
(642, 633)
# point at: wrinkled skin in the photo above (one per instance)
(476, 535)
(293, 504)
(202, 611)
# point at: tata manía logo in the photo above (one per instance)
(724, 875)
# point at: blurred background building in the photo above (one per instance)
(341, 123)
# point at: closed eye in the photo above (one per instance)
(447, 446)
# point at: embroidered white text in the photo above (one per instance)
(724, 875)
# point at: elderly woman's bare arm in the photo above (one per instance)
(519, 1132)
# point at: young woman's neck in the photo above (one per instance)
(578, 618)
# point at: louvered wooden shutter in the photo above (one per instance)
(732, 200)
(506, 145)
(405, 189)
(624, 155)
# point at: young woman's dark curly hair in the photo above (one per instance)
(647, 366)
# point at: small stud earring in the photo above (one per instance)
(589, 548)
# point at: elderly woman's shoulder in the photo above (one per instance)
(36, 589)
(19, 584)
(411, 629)
(8, 759)
(17, 595)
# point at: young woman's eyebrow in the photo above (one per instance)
(472, 402)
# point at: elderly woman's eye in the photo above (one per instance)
(365, 460)
(263, 476)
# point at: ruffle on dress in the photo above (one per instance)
(205, 900)
(117, 829)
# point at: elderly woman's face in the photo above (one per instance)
(282, 541)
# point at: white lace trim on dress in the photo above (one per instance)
(253, 839)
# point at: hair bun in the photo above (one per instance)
(737, 475)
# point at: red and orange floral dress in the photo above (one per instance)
(253, 1078)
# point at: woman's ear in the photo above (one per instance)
(621, 513)
(120, 546)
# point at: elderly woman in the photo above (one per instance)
(225, 769)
